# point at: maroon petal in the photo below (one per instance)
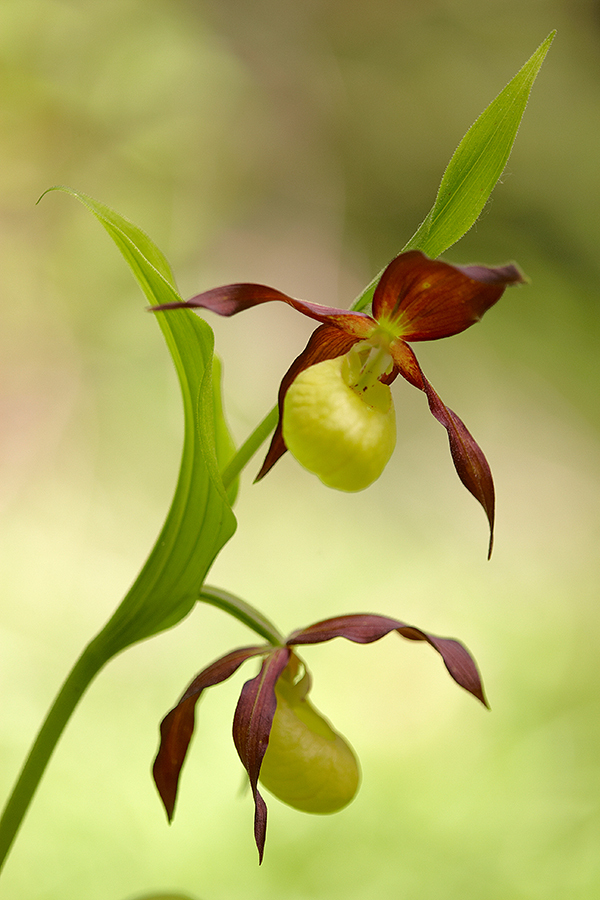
(251, 728)
(327, 342)
(469, 461)
(234, 298)
(429, 299)
(177, 727)
(366, 628)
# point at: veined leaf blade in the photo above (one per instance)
(200, 520)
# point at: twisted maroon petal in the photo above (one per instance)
(251, 729)
(366, 628)
(469, 461)
(429, 299)
(178, 726)
(327, 342)
(234, 298)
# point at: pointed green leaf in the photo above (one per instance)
(478, 163)
(200, 520)
(474, 169)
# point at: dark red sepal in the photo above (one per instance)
(234, 298)
(366, 628)
(327, 342)
(178, 726)
(430, 299)
(251, 729)
(469, 460)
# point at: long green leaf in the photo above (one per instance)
(198, 524)
(478, 163)
(474, 169)
(200, 520)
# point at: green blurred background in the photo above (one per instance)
(300, 144)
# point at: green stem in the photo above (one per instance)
(82, 674)
(242, 611)
(249, 447)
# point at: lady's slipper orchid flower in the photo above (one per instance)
(347, 442)
(279, 736)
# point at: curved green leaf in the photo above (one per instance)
(200, 520)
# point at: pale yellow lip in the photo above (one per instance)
(343, 435)
(308, 765)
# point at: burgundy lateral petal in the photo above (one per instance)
(469, 461)
(362, 628)
(234, 298)
(177, 727)
(429, 299)
(326, 342)
(366, 628)
(251, 729)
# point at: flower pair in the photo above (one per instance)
(336, 419)
(279, 736)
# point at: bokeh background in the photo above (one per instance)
(300, 144)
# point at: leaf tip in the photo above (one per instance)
(55, 187)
